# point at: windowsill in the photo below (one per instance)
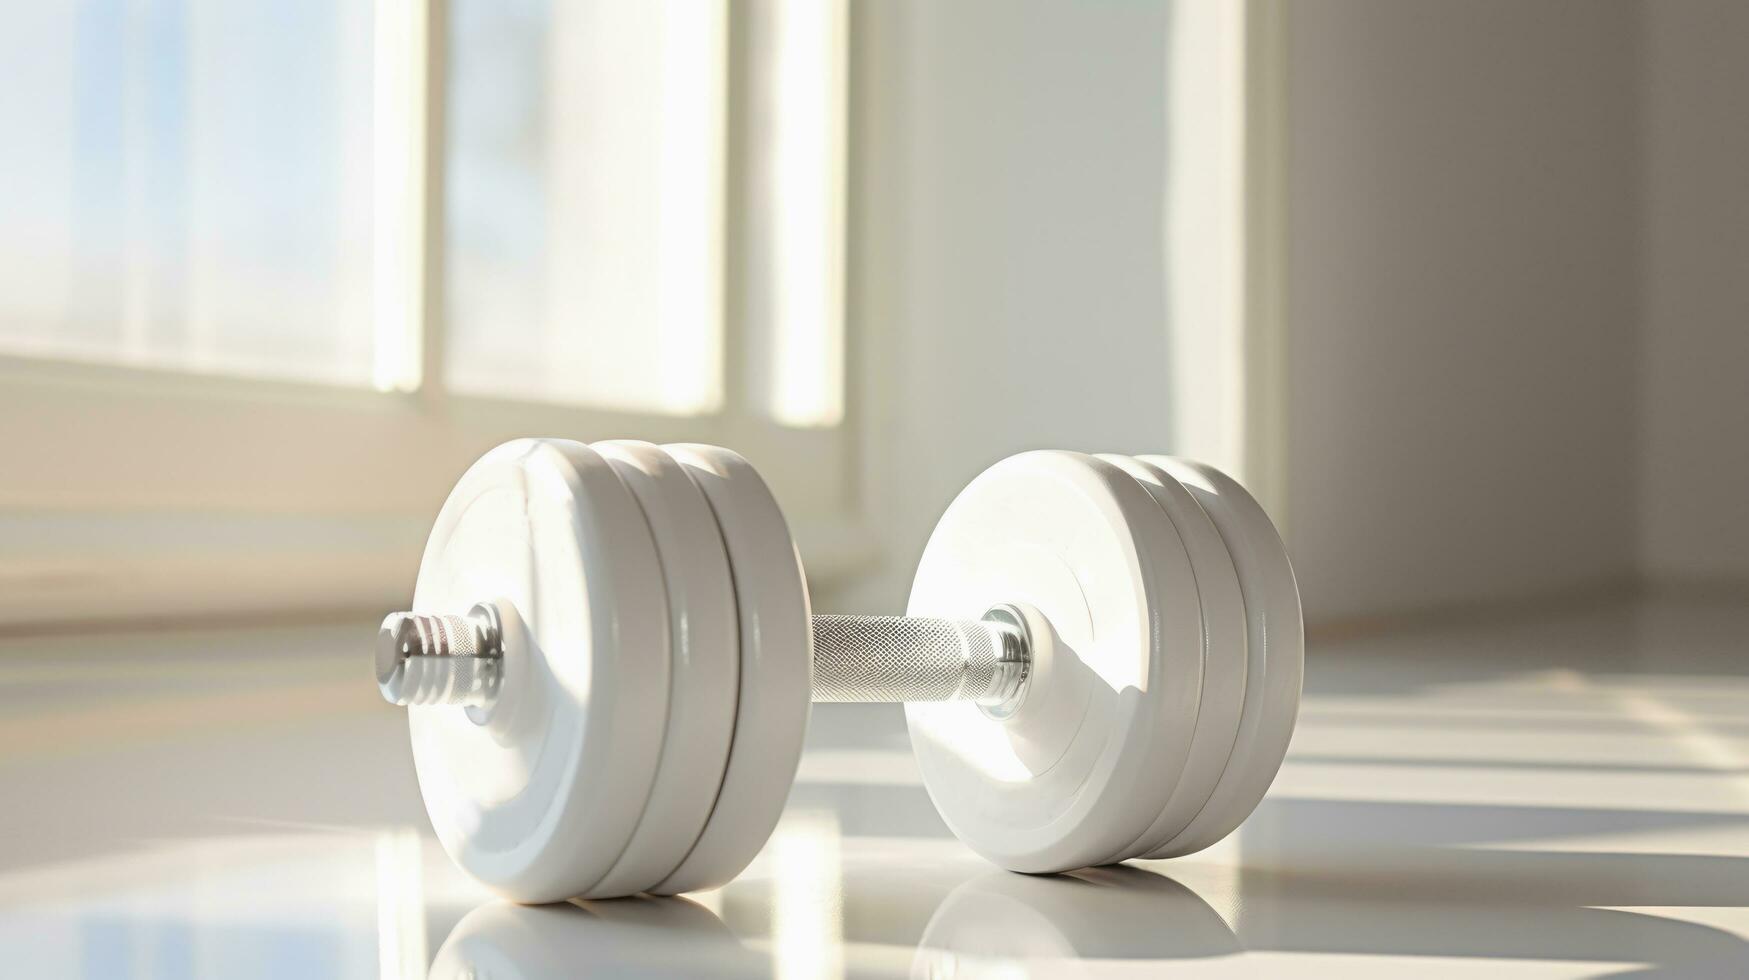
(76, 569)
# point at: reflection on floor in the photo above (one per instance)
(1557, 796)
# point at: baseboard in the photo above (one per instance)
(1706, 587)
(82, 570)
(1576, 597)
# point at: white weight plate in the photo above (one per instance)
(1224, 651)
(1091, 754)
(1223, 647)
(1276, 651)
(771, 717)
(538, 795)
(704, 633)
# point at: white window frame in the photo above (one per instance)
(136, 493)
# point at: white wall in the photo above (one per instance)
(1694, 473)
(1517, 280)
(1007, 260)
(1461, 301)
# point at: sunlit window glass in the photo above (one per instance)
(802, 146)
(584, 193)
(187, 184)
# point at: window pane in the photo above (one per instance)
(187, 183)
(801, 146)
(584, 202)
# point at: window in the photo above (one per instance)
(273, 272)
(188, 185)
(584, 202)
(588, 186)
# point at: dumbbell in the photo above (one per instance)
(610, 666)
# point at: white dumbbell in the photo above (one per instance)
(612, 660)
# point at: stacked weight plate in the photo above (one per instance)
(648, 742)
(1168, 654)
(657, 661)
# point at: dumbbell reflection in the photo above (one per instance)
(643, 937)
(997, 924)
(1003, 924)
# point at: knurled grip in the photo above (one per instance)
(894, 658)
(434, 660)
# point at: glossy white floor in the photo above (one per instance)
(1556, 796)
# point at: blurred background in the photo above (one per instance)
(1459, 288)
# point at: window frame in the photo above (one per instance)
(141, 493)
